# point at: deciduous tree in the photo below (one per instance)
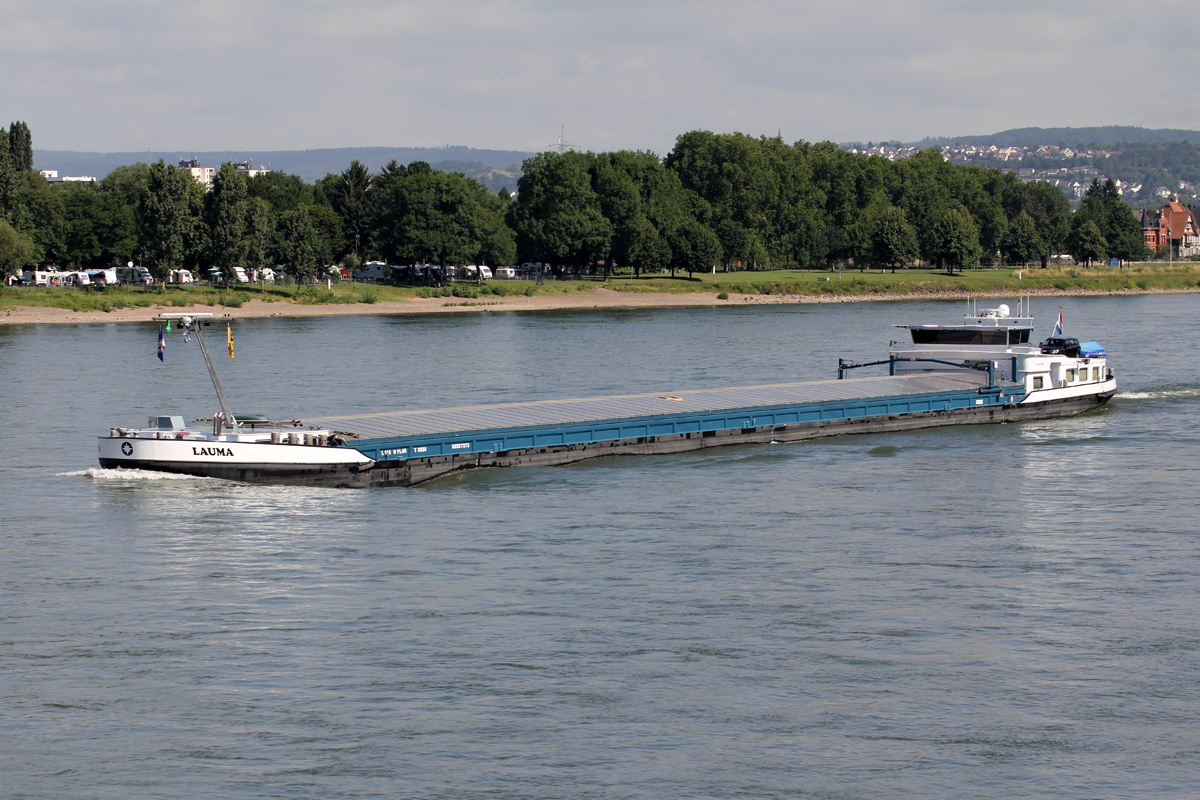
(164, 219)
(1086, 242)
(694, 247)
(893, 240)
(228, 210)
(17, 250)
(1021, 243)
(955, 239)
(298, 244)
(557, 216)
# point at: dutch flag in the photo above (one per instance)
(1058, 325)
(162, 343)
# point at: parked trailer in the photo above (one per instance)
(103, 277)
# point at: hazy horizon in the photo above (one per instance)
(507, 74)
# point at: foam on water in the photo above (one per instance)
(1161, 394)
(100, 473)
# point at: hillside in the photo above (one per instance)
(491, 177)
(1075, 137)
(308, 164)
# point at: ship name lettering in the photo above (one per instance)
(212, 451)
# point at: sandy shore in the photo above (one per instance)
(596, 298)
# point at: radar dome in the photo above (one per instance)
(1004, 310)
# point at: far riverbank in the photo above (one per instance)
(589, 298)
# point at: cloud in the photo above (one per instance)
(507, 73)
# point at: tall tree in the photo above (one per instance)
(1021, 242)
(694, 247)
(497, 246)
(164, 218)
(327, 228)
(424, 216)
(227, 214)
(557, 216)
(8, 178)
(20, 145)
(17, 250)
(1103, 205)
(100, 228)
(349, 195)
(39, 213)
(1086, 242)
(893, 240)
(282, 192)
(1051, 214)
(260, 233)
(650, 251)
(298, 244)
(621, 205)
(735, 243)
(955, 239)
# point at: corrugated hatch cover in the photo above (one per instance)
(557, 412)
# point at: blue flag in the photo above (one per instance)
(162, 343)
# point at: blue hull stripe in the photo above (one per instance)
(492, 440)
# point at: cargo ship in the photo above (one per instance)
(987, 369)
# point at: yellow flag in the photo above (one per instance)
(229, 335)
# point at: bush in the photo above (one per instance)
(722, 296)
(369, 296)
(529, 291)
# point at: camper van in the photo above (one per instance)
(264, 275)
(181, 276)
(375, 271)
(134, 275)
(505, 273)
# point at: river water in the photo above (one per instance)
(1005, 611)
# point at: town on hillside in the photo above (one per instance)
(1070, 169)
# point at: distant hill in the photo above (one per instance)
(308, 164)
(491, 177)
(1087, 137)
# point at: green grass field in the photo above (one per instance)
(910, 282)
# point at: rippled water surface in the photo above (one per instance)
(1006, 611)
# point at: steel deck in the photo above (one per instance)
(472, 429)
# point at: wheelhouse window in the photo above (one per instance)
(993, 336)
(1070, 375)
(1038, 381)
(1095, 373)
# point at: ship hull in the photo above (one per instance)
(419, 470)
(345, 467)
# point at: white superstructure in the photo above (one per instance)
(245, 447)
(1057, 368)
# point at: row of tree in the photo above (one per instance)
(717, 200)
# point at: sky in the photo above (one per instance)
(623, 74)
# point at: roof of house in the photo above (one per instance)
(1174, 218)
